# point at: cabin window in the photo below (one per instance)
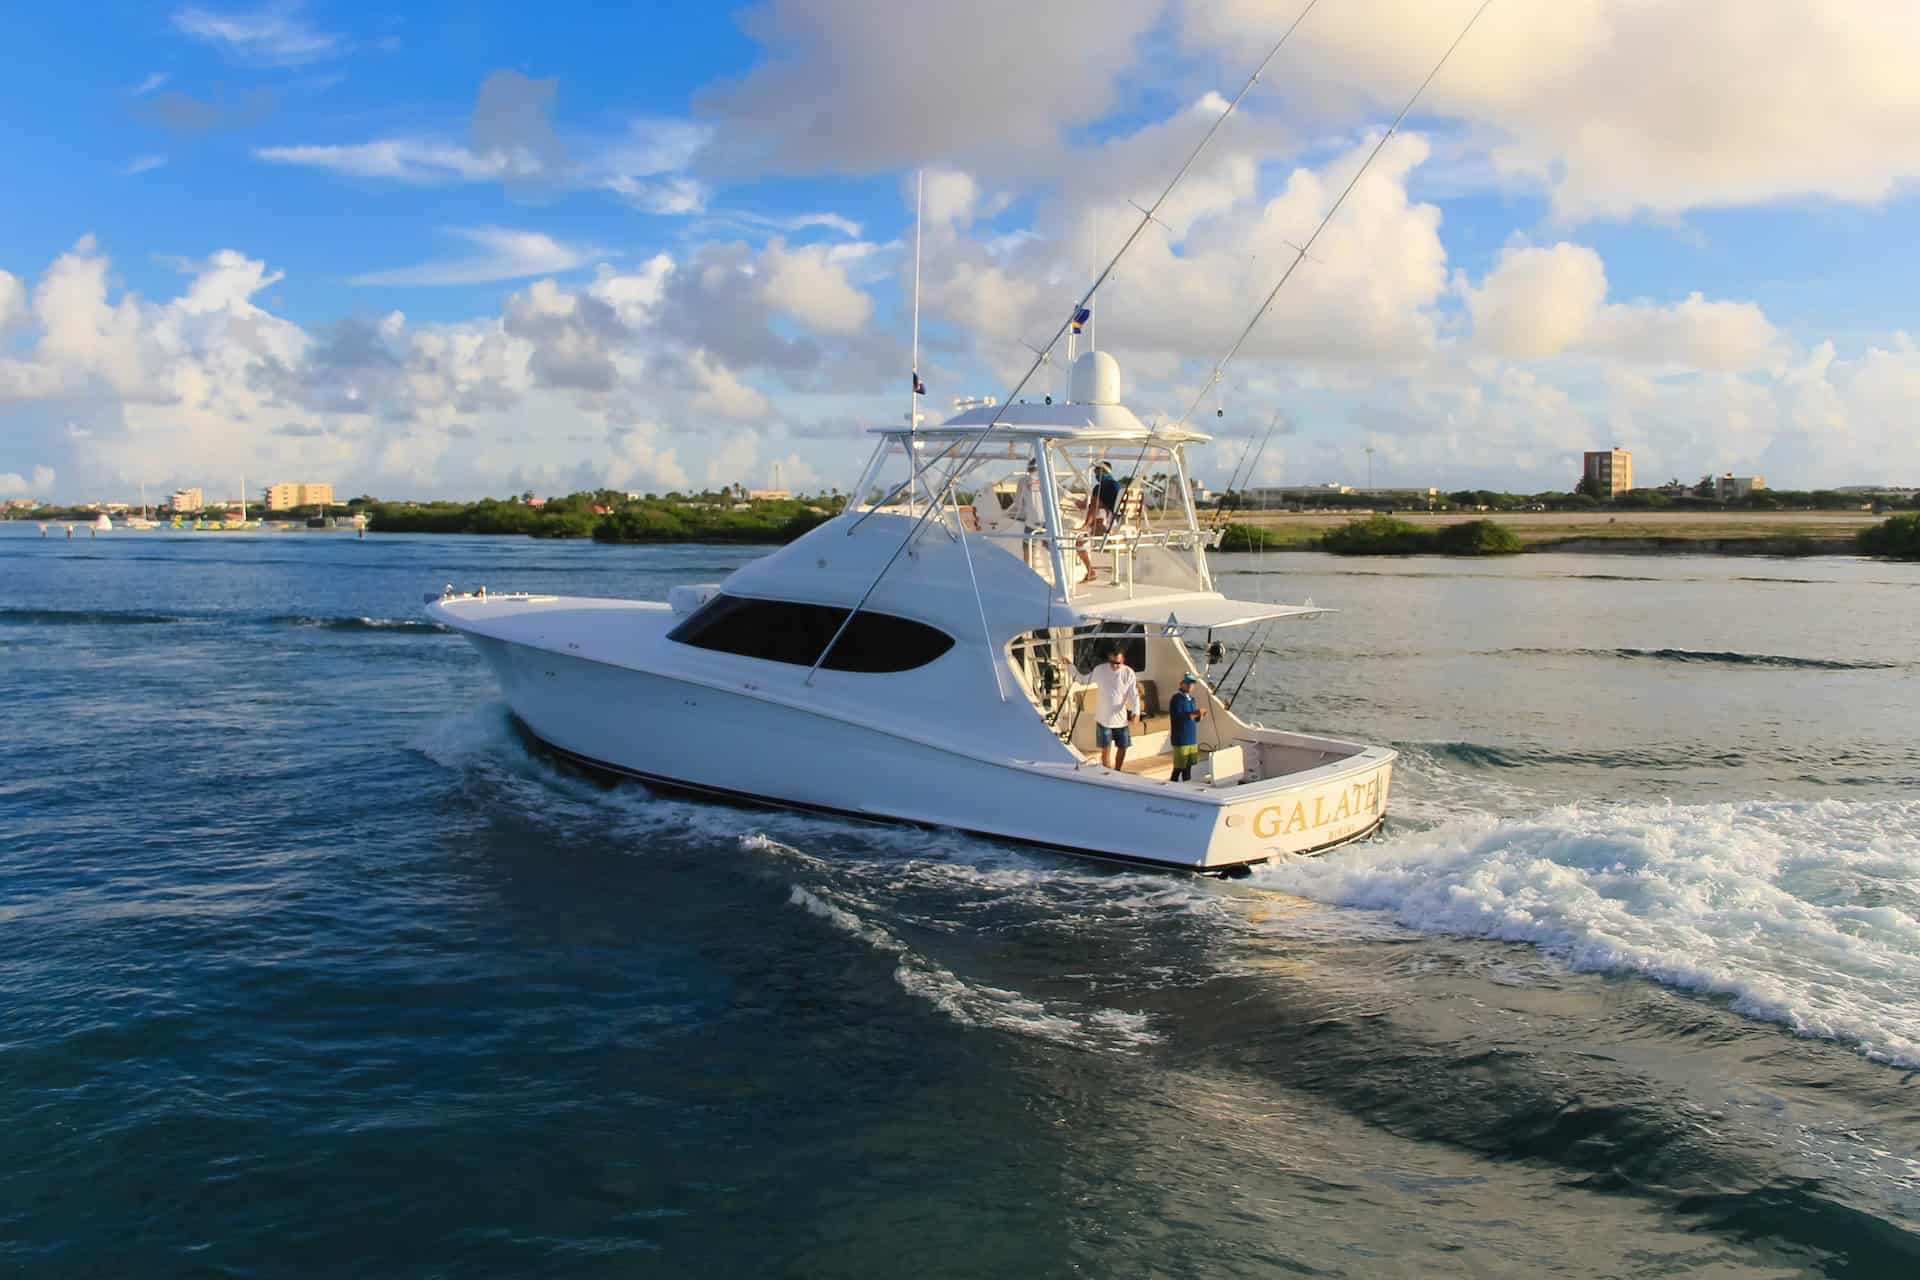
(784, 631)
(1090, 648)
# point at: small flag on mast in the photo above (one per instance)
(919, 387)
(1080, 318)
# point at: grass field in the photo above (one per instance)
(1546, 526)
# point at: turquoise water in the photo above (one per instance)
(312, 967)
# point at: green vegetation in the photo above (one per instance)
(1386, 536)
(657, 520)
(1898, 537)
(609, 516)
(1475, 538)
(1376, 536)
(1253, 537)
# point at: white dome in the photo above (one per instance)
(1095, 379)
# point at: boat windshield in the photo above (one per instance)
(1091, 512)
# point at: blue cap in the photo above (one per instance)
(1189, 678)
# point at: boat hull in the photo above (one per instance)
(729, 743)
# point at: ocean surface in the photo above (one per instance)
(310, 966)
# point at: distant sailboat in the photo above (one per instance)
(143, 520)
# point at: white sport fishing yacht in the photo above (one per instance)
(925, 659)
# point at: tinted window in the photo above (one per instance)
(1090, 648)
(782, 631)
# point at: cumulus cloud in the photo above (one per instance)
(1663, 105)
(807, 285)
(733, 462)
(506, 254)
(13, 302)
(1542, 302)
(40, 482)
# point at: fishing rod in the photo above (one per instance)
(1300, 251)
(1147, 216)
(1234, 485)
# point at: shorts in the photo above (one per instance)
(1105, 737)
(1186, 757)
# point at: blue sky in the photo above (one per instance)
(475, 248)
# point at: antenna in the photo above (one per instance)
(1300, 251)
(917, 387)
(1146, 216)
(1093, 312)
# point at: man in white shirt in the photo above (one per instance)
(1116, 708)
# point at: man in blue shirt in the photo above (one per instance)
(1103, 498)
(1185, 714)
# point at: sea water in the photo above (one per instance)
(309, 965)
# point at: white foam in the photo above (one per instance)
(975, 1004)
(1805, 913)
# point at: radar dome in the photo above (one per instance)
(1095, 379)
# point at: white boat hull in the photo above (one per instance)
(668, 729)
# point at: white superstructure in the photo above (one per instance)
(931, 665)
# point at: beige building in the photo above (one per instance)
(188, 499)
(1733, 486)
(1611, 469)
(285, 496)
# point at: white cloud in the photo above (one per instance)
(148, 85)
(805, 284)
(143, 164)
(720, 393)
(13, 484)
(1660, 105)
(513, 141)
(1538, 303)
(276, 35)
(733, 462)
(635, 461)
(792, 222)
(633, 297)
(423, 161)
(506, 254)
(795, 473)
(13, 302)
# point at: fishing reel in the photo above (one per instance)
(1216, 653)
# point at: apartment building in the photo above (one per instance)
(1610, 469)
(285, 496)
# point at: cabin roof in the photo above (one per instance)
(1091, 422)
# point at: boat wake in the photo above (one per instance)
(872, 882)
(84, 618)
(977, 1004)
(1803, 914)
(419, 626)
(1708, 657)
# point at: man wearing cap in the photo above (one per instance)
(1185, 714)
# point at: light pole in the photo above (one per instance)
(1369, 468)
